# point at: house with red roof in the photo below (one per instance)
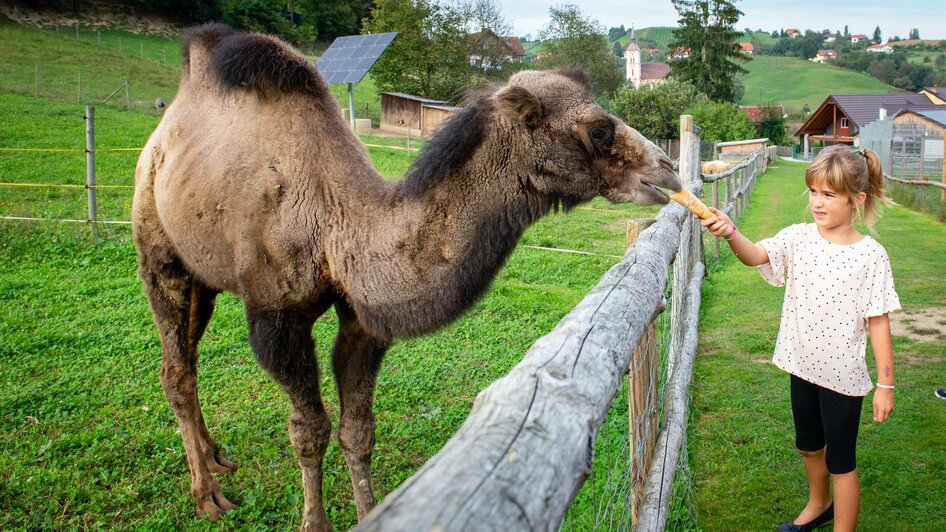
(823, 56)
(858, 38)
(793, 32)
(490, 51)
(746, 48)
(880, 49)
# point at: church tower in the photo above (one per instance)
(632, 58)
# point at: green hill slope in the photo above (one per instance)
(794, 82)
(660, 35)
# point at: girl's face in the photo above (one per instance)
(831, 209)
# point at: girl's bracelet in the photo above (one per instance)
(885, 386)
(733, 234)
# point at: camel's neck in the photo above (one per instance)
(436, 253)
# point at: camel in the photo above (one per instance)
(714, 167)
(252, 183)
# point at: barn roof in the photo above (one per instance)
(935, 115)
(654, 70)
(415, 98)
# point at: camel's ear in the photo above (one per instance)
(520, 105)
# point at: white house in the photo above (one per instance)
(880, 49)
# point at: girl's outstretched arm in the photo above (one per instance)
(747, 251)
(882, 344)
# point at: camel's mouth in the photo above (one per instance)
(658, 190)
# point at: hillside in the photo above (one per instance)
(794, 82)
(659, 35)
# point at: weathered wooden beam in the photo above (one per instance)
(659, 483)
(526, 448)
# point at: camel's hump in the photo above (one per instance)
(248, 61)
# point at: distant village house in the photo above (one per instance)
(823, 56)
(839, 118)
(490, 51)
(746, 48)
(793, 32)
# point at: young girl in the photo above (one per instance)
(838, 286)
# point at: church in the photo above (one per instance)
(638, 73)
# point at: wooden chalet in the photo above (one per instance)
(838, 120)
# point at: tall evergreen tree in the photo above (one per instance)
(707, 31)
(877, 36)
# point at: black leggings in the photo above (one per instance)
(825, 419)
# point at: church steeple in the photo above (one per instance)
(632, 58)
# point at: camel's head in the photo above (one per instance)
(580, 149)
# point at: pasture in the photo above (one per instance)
(794, 82)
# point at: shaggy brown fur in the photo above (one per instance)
(254, 184)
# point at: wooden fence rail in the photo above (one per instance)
(526, 448)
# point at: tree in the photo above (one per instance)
(846, 33)
(940, 61)
(428, 57)
(914, 33)
(706, 29)
(772, 126)
(573, 40)
(877, 37)
(334, 18)
(721, 121)
(616, 33)
(775, 34)
(654, 110)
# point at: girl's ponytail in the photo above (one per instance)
(876, 198)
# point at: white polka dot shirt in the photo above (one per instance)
(830, 292)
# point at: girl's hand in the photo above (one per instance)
(883, 404)
(720, 224)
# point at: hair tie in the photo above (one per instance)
(862, 152)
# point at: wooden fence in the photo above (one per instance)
(527, 446)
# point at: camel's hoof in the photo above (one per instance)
(214, 506)
(221, 465)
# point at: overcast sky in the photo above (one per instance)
(894, 17)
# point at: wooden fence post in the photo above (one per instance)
(90, 164)
(641, 395)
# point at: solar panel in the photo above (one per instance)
(348, 59)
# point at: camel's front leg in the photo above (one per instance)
(283, 346)
(356, 360)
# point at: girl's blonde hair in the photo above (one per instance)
(850, 172)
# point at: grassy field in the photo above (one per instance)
(748, 475)
(794, 82)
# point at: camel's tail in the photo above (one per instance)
(215, 54)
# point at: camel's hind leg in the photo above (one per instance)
(182, 308)
(356, 360)
(282, 342)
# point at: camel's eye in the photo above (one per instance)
(599, 134)
(601, 138)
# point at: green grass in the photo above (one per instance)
(917, 57)
(748, 475)
(758, 37)
(794, 82)
(58, 60)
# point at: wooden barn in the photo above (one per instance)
(410, 114)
